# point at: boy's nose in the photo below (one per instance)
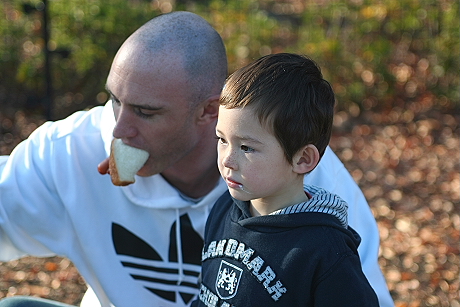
(228, 161)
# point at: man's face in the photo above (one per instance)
(151, 106)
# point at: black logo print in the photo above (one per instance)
(156, 274)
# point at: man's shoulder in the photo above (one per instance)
(79, 123)
(76, 138)
(331, 174)
(330, 162)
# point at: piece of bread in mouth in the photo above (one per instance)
(124, 162)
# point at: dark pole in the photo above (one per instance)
(48, 100)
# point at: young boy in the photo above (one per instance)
(270, 241)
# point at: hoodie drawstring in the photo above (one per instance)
(179, 249)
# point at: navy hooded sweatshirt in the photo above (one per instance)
(303, 255)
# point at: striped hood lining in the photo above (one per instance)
(323, 202)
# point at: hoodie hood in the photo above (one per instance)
(322, 209)
(107, 124)
(320, 201)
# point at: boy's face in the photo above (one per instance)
(251, 160)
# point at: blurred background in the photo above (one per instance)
(393, 64)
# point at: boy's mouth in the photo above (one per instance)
(233, 184)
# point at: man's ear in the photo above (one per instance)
(306, 159)
(209, 110)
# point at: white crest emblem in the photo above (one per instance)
(228, 280)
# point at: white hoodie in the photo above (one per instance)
(137, 245)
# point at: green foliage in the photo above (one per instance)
(375, 54)
(248, 31)
(84, 37)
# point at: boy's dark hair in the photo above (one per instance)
(289, 95)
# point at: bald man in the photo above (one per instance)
(140, 245)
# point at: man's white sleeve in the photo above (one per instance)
(32, 218)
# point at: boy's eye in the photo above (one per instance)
(246, 148)
(221, 140)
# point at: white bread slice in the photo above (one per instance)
(124, 162)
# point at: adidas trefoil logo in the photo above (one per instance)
(157, 275)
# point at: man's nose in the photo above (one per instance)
(125, 123)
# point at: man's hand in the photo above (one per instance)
(103, 167)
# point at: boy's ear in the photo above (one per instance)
(306, 159)
(209, 110)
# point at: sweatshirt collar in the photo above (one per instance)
(321, 201)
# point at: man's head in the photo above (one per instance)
(164, 84)
(192, 43)
(289, 96)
